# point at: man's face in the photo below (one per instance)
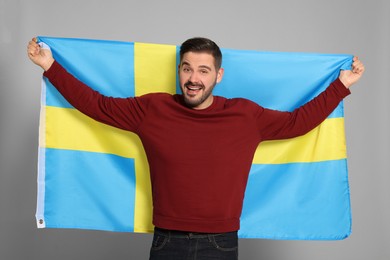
(198, 77)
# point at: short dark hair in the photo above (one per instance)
(199, 44)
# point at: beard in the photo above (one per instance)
(204, 93)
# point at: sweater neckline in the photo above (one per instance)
(212, 106)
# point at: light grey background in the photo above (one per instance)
(332, 26)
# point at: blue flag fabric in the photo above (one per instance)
(93, 176)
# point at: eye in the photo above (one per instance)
(186, 69)
(204, 71)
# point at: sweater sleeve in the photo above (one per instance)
(124, 113)
(281, 125)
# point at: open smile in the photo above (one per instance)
(193, 89)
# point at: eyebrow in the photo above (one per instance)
(201, 66)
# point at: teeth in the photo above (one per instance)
(194, 88)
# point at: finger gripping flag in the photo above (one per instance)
(94, 176)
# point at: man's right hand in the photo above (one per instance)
(41, 57)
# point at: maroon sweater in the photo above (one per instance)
(199, 159)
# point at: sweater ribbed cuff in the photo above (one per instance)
(53, 70)
(342, 91)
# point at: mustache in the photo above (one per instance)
(192, 84)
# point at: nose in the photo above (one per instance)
(194, 77)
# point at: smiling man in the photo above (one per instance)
(199, 146)
(199, 72)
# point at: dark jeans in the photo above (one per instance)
(177, 245)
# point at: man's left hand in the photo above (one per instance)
(350, 77)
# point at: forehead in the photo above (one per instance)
(197, 59)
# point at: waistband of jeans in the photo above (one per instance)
(187, 234)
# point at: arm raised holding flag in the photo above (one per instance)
(197, 93)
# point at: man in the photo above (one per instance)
(199, 146)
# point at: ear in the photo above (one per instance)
(220, 75)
